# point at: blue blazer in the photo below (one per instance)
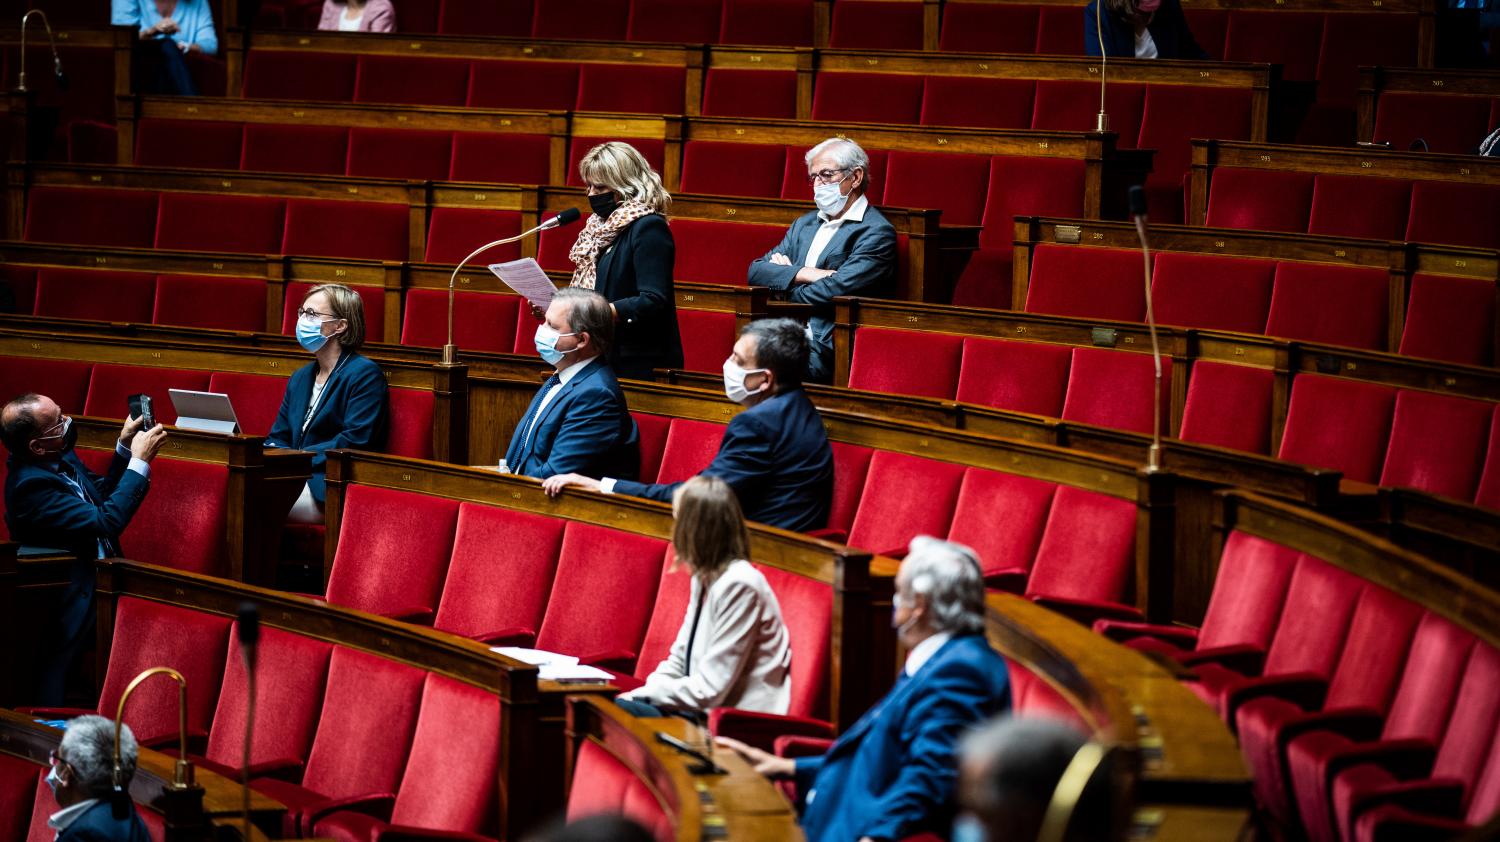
(893, 773)
(1168, 28)
(586, 429)
(350, 414)
(775, 455)
(864, 255)
(98, 824)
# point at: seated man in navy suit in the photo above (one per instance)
(845, 247)
(894, 773)
(775, 454)
(82, 780)
(578, 421)
(52, 500)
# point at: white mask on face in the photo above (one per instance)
(53, 781)
(828, 198)
(734, 381)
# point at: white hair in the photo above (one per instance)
(948, 574)
(846, 153)
(88, 745)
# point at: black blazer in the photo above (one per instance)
(635, 275)
(1168, 28)
(98, 824)
(351, 413)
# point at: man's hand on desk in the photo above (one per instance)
(554, 485)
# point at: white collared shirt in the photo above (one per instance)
(562, 380)
(923, 652)
(1145, 45)
(60, 820)
(830, 227)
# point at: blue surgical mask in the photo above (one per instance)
(546, 344)
(53, 782)
(310, 334)
(967, 828)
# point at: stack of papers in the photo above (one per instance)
(552, 666)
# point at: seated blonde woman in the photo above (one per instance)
(732, 649)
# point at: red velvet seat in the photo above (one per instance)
(1212, 291)
(481, 321)
(1391, 821)
(795, 186)
(470, 605)
(690, 447)
(867, 98)
(950, 182)
(781, 23)
(213, 222)
(1057, 31)
(373, 299)
(501, 158)
(181, 525)
(680, 21)
(1086, 558)
(1336, 305)
(110, 385)
(978, 102)
(1437, 443)
(1175, 114)
(654, 151)
(503, 18)
(673, 592)
(1019, 186)
(718, 252)
(1073, 106)
(65, 381)
(410, 432)
(1006, 545)
(1290, 39)
(320, 150)
(1021, 376)
(1265, 200)
(739, 92)
(851, 463)
(18, 782)
(21, 283)
(654, 430)
(1090, 283)
(256, 398)
(1115, 389)
(454, 233)
(875, 25)
(362, 740)
(399, 153)
(1450, 319)
(93, 294)
(324, 228)
(1340, 424)
(890, 515)
(411, 80)
(1449, 124)
(543, 85)
(636, 88)
(732, 169)
(1488, 494)
(210, 302)
(147, 634)
(1454, 213)
(294, 74)
(202, 144)
(585, 590)
(392, 552)
(291, 670)
(553, 246)
(1359, 206)
(708, 338)
(91, 216)
(595, 20)
(448, 784)
(906, 362)
(1229, 406)
(988, 28)
(601, 783)
(1209, 27)
(1352, 41)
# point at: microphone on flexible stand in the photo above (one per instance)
(1101, 121)
(62, 80)
(249, 633)
(1137, 202)
(567, 217)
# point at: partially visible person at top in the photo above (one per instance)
(167, 30)
(1139, 29)
(358, 16)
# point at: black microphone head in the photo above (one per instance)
(1137, 200)
(568, 217)
(249, 623)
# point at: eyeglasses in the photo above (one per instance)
(310, 313)
(54, 760)
(61, 426)
(826, 176)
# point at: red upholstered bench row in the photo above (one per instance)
(603, 784)
(1351, 702)
(26, 802)
(332, 704)
(188, 300)
(87, 102)
(1446, 212)
(1067, 548)
(1448, 123)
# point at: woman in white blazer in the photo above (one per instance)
(733, 649)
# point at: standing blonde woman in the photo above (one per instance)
(625, 253)
(732, 649)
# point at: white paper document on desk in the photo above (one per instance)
(526, 277)
(552, 666)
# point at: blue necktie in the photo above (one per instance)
(541, 396)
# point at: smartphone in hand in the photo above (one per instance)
(140, 407)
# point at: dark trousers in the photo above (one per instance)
(163, 68)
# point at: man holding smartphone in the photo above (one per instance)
(53, 500)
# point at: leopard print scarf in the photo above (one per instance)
(597, 234)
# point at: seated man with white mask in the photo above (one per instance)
(775, 454)
(578, 420)
(845, 247)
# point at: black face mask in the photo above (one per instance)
(603, 204)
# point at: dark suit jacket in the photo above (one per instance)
(586, 429)
(350, 414)
(1168, 28)
(635, 275)
(98, 824)
(776, 457)
(893, 773)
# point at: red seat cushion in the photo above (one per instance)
(1266, 200)
(1212, 291)
(1450, 319)
(411, 423)
(717, 252)
(867, 25)
(204, 144)
(18, 782)
(1021, 376)
(708, 338)
(867, 98)
(654, 151)
(653, 430)
(906, 362)
(732, 169)
(1455, 213)
(978, 102)
(504, 18)
(256, 398)
(412, 80)
(988, 28)
(449, 781)
(1091, 283)
(1357, 206)
(1449, 124)
(1229, 406)
(1249, 590)
(399, 153)
(636, 88)
(211, 222)
(454, 233)
(290, 674)
(807, 608)
(365, 730)
(890, 516)
(851, 464)
(598, 20)
(1005, 544)
(111, 385)
(470, 606)
(603, 784)
(1352, 41)
(682, 21)
(1026, 186)
(583, 591)
(1115, 388)
(1290, 39)
(65, 381)
(784, 23)
(393, 550)
(500, 158)
(294, 74)
(91, 216)
(92, 294)
(324, 228)
(210, 302)
(543, 85)
(1074, 107)
(1087, 550)
(147, 634)
(1488, 494)
(481, 321)
(1340, 424)
(1173, 116)
(949, 182)
(690, 447)
(321, 150)
(1338, 305)
(182, 525)
(1437, 443)
(1057, 31)
(738, 92)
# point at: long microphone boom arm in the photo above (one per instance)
(1137, 202)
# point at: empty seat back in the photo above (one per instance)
(682, 21)
(714, 252)
(635, 88)
(1212, 291)
(1006, 545)
(598, 20)
(989, 27)
(211, 222)
(501, 158)
(1359, 206)
(952, 183)
(210, 302)
(1087, 551)
(784, 23)
(890, 515)
(1249, 590)
(1229, 406)
(365, 729)
(256, 398)
(542, 85)
(603, 784)
(323, 228)
(449, 780)
(1315, 619)
(91, 217)
(1437, 443)
(979, 102)
(1116, 389)
(392, 551)
(411, 80)
(867, 98)
(690, 447)
(737, 92)
(410, 428)
(1455, 213)
(399, 153)
(874, 25)
(92, 294)
(1450, 319)
(270, 147)
(708, 338)
(1090, 283)
(807, 608)
(1339, 305)
(148, 634)
(291, 672)
(732, 169)
(294, 74)
(471, 605)
(1340, 424)
(1020, 376)
(481, 321)
(1448, 124)
(906, 362)
(205, 144)
(111, 385)
(623, 589)
(1265, 200)
(851, 463)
